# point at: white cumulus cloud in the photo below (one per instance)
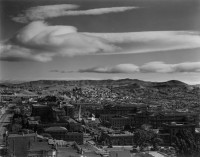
(51, 11)
(151, 67)
(120, 68)
(39, 41)
(161, 67)
(158, 67)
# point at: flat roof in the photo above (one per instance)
(39, 146)
(40, 105)
(20, 135)
(55, 128)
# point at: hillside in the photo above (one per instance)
(171, 94)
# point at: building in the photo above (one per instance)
(74, 126)
(57, 132)
(61, 133)
(70, 110)
(157, 119)
(43, 111)
(117, 110)
(120, 154)
(106, 117)
(58, 114)
(33, 124)
(125, 138)
(119, 122)
(142, 118)
(74, 136)
(41, 149)
(18, 145)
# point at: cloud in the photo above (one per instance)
(161, 67)
(51, 11)
(157, 67)
(59, 71)
(39, 41)
(150, 41)
(120, 68)
(151, 67)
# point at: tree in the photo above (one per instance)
(141, 138)
(146, 126)
(156, 142)
(185, 144)
(144, 138)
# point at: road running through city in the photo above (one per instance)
(5, 119)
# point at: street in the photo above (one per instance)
(5, 119)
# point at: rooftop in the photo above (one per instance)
(120, 154)
(174, 124)
(21, 135)
(33, 122)
(70, 120)
(39, 105)
(55, 128)
(122, 134)
(40, 146)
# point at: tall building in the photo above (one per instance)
(69, 109)
(43, 111)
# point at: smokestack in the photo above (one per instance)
(79, 113)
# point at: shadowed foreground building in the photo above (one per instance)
(27, 145)
(41, 149)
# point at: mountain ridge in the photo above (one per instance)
(99, 82)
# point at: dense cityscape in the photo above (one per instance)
(99, 78)
(100, 118)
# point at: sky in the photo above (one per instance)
(151, 40)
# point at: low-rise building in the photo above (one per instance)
(126, 138)
(61, 133)
(120, 121)
(41, 149)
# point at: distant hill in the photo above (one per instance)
(109, 82)
(171, 94)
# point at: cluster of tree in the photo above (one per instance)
(19, 121)
(185, 144)
(145, 137)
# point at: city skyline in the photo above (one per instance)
(152, 41)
